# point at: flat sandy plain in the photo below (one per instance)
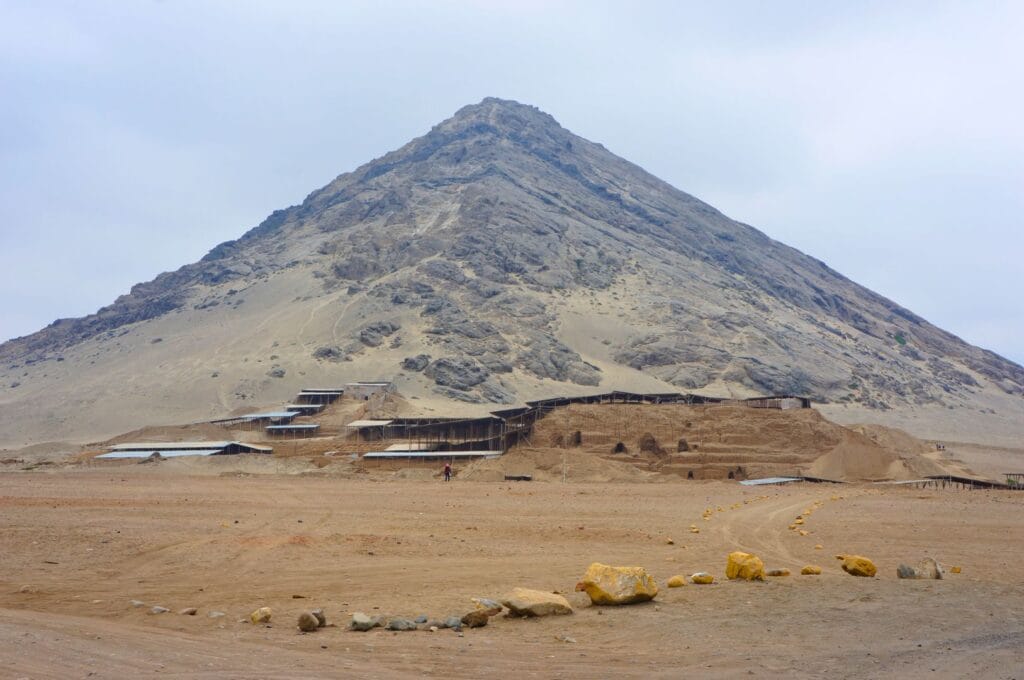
(78, 543)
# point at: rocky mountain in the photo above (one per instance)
(498, 257)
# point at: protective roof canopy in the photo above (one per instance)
(368, 423)
(164, 453)
(433, 454)
(769, 480)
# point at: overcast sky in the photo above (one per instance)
(883, 138)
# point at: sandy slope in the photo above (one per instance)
(167, 536)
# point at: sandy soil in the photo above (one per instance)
(79, 543)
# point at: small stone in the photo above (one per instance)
(676, 582)
(137, 603)
(421, 619)
(669, 541)
(321, 618)
(477, 618)
(159, 610)
(702, 578)
(307, 622)
(188, 611)
(526, 602)
(856, 565)
(819, 547)
(811, 570)
(261, 615)
(955, 570)
(777, 572)
(216, 614)
(401, 624)
(453, 622)
(432, 629)
(361, 622)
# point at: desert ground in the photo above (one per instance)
(79, 543)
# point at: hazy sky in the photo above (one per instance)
(883, 138)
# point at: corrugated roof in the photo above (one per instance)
(433, 454)
(164, 453)
(413, 446)
(156, 446)
(303, 407)
(299, 426)
(368, 423)
(769, 480)
(271, 414)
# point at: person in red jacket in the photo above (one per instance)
(447, 472)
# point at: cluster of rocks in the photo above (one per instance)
(520, 602)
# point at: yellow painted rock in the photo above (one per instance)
(261, 615)
(803, 532)
(741, 565)
(819, 547)
(617, 585)
(526, 602)
(811, 570)
(777, 572)
(702, 578)
(798, 521)
(676, 582)
(855, 565)
(955, 570)
(694, 530)
(792, 527)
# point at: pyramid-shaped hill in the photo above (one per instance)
(498, 258)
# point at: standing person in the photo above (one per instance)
(447, 472)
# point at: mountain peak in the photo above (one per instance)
(497, 258)
(503, 117)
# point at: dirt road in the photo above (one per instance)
(78, 545)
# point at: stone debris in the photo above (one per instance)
(927, 569)
(676, 582)
(136, 603)
(617, 585)
(362, 622)
(856, 565)
(401, 624)
(261, 615)
(811, 570)
(777, 572)
(216, 614)
(307, 622)
(188, 611)
(526, 602)
(453, 622)
(159, 610)
(478, 618)
(955, 570)
(702, 578)
(492, 607)
(321, 618)
(741, 565)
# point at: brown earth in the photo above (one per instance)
(79, 543)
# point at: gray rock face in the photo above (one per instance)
(459, 374)
(374, 334)
(329, 353)
(416, 363)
